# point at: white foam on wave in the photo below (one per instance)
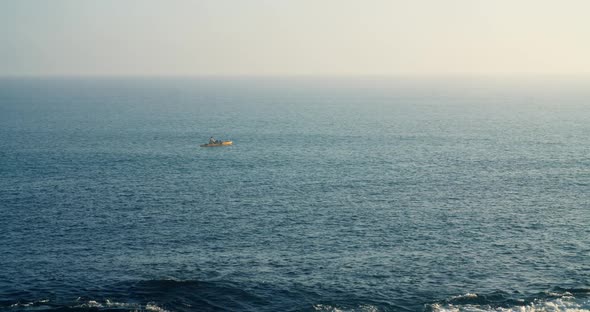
(91, 304)
(563, 304)
(153, 307)
(28, 304)
(564, 294)
(114, 304)
(360, 308)
(465, 296)
(19, 304)
(150, 306)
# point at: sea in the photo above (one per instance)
(338, 194)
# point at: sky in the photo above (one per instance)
(294, 37)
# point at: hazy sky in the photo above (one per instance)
(294, 37)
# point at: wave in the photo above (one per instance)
(150, 295)
(557, 300)
(359, 308)
(81, 305)
(169, 295)
(119, 306)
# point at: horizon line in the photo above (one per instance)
(332, 76)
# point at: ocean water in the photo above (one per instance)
(339, 194)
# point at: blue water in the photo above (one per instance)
(339, 194)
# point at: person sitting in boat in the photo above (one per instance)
(212, 140)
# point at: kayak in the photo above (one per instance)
(222, 143)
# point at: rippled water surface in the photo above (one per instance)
(337, 195)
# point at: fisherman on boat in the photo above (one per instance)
(213, 142)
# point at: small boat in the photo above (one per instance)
(218, 143)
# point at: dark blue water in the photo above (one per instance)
(337, 195)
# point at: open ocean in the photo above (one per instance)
(339, 194)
